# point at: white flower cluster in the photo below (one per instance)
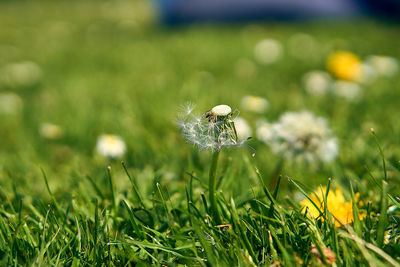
(320, 83)
(300, 135)
(209, 131)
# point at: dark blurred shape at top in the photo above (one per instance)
(188, 11)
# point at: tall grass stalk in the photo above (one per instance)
(212, 187)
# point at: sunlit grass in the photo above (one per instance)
(110, 68)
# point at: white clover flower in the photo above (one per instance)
(50, 131)
(263, 131)
(10, 103)
(254, 104)
(209, 131)
(348, 90)
(302, 135)
(268, 51)
(18, 74)
(111, 146)
(243, 129)
(383, 65)
(317, 82)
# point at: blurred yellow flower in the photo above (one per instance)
(341, 210)
(344, 65)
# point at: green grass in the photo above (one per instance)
(108, 67)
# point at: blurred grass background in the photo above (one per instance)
(109, 67)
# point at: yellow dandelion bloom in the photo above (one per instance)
(345, 65)
(341, 210)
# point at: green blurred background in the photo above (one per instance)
(110, 67)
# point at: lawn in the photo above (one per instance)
(89, 68)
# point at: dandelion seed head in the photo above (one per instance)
(302, 135)
(210, 131)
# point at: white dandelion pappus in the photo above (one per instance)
(302, 135)
(111, 146)
(211, 130)
(263, 131)
(243, 129)
(254, 104)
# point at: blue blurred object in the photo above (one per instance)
(187, 11)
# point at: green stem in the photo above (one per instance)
(212, 188)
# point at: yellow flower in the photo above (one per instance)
(344, 65)
(341, 210)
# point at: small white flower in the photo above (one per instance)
(111, 146)
(254, 104)
(18, 74)
(268, 51)
(50, 131)
(349, 90)
(368, 74)
(10, 103)
(243, 129)
(209, 131)
(263, 131)
(221, 110)
(303, 135)
(383, 65)
(317, 82)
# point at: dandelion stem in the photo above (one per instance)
(212, 188)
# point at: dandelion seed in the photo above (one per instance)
(341, 209)
(111, 146)
(268, 51)
(254, 104)
(303, 136)
(345, 65)
(210, 131)
(50, 131)
(317, 82)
